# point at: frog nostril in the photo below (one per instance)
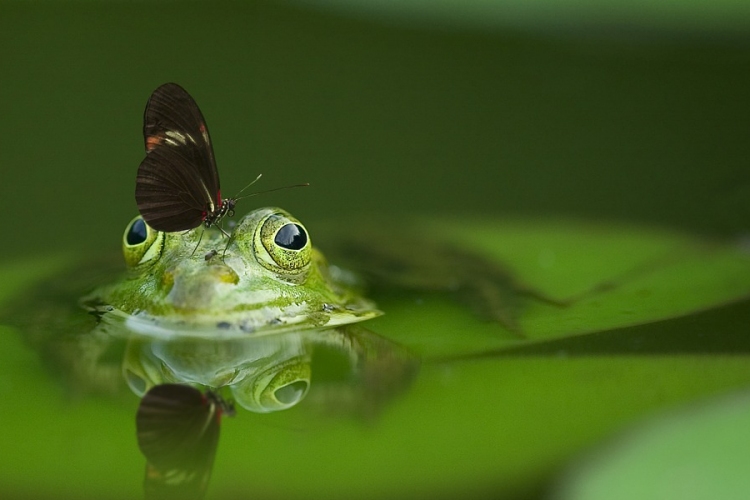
(291, 237)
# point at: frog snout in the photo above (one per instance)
(196, 288)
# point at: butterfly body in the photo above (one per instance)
(225, 208)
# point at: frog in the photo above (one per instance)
(266, 277)
(198, 307)
(244, 314)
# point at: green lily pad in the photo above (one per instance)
(612, 276)
(699, 452)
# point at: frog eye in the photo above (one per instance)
(140, 243)
(291, 236)
(283, 246)
(137, 232)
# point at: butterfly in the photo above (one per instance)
(177, 427)
(177, 187)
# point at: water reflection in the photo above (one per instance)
(177, 427)
(274, 372)
(347, 370)
(344, 371)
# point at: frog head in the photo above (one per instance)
(265, 277)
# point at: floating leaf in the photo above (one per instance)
(699, 452)
(613, 276)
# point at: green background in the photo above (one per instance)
(606, 113)
(637, 120)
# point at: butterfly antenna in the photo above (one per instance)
(253, 182)
(272, 190)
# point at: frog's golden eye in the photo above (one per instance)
(140, 243)
(282, 245)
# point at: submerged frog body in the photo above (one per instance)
(266, 278)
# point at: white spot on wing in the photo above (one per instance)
(174, 138)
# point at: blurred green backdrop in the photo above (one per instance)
(617, 111)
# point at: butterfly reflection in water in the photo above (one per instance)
(177, 427)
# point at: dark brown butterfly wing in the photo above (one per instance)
(178, 432)
(170, 195)
(177, 182)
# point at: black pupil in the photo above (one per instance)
(137, 233)
(291, 237)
